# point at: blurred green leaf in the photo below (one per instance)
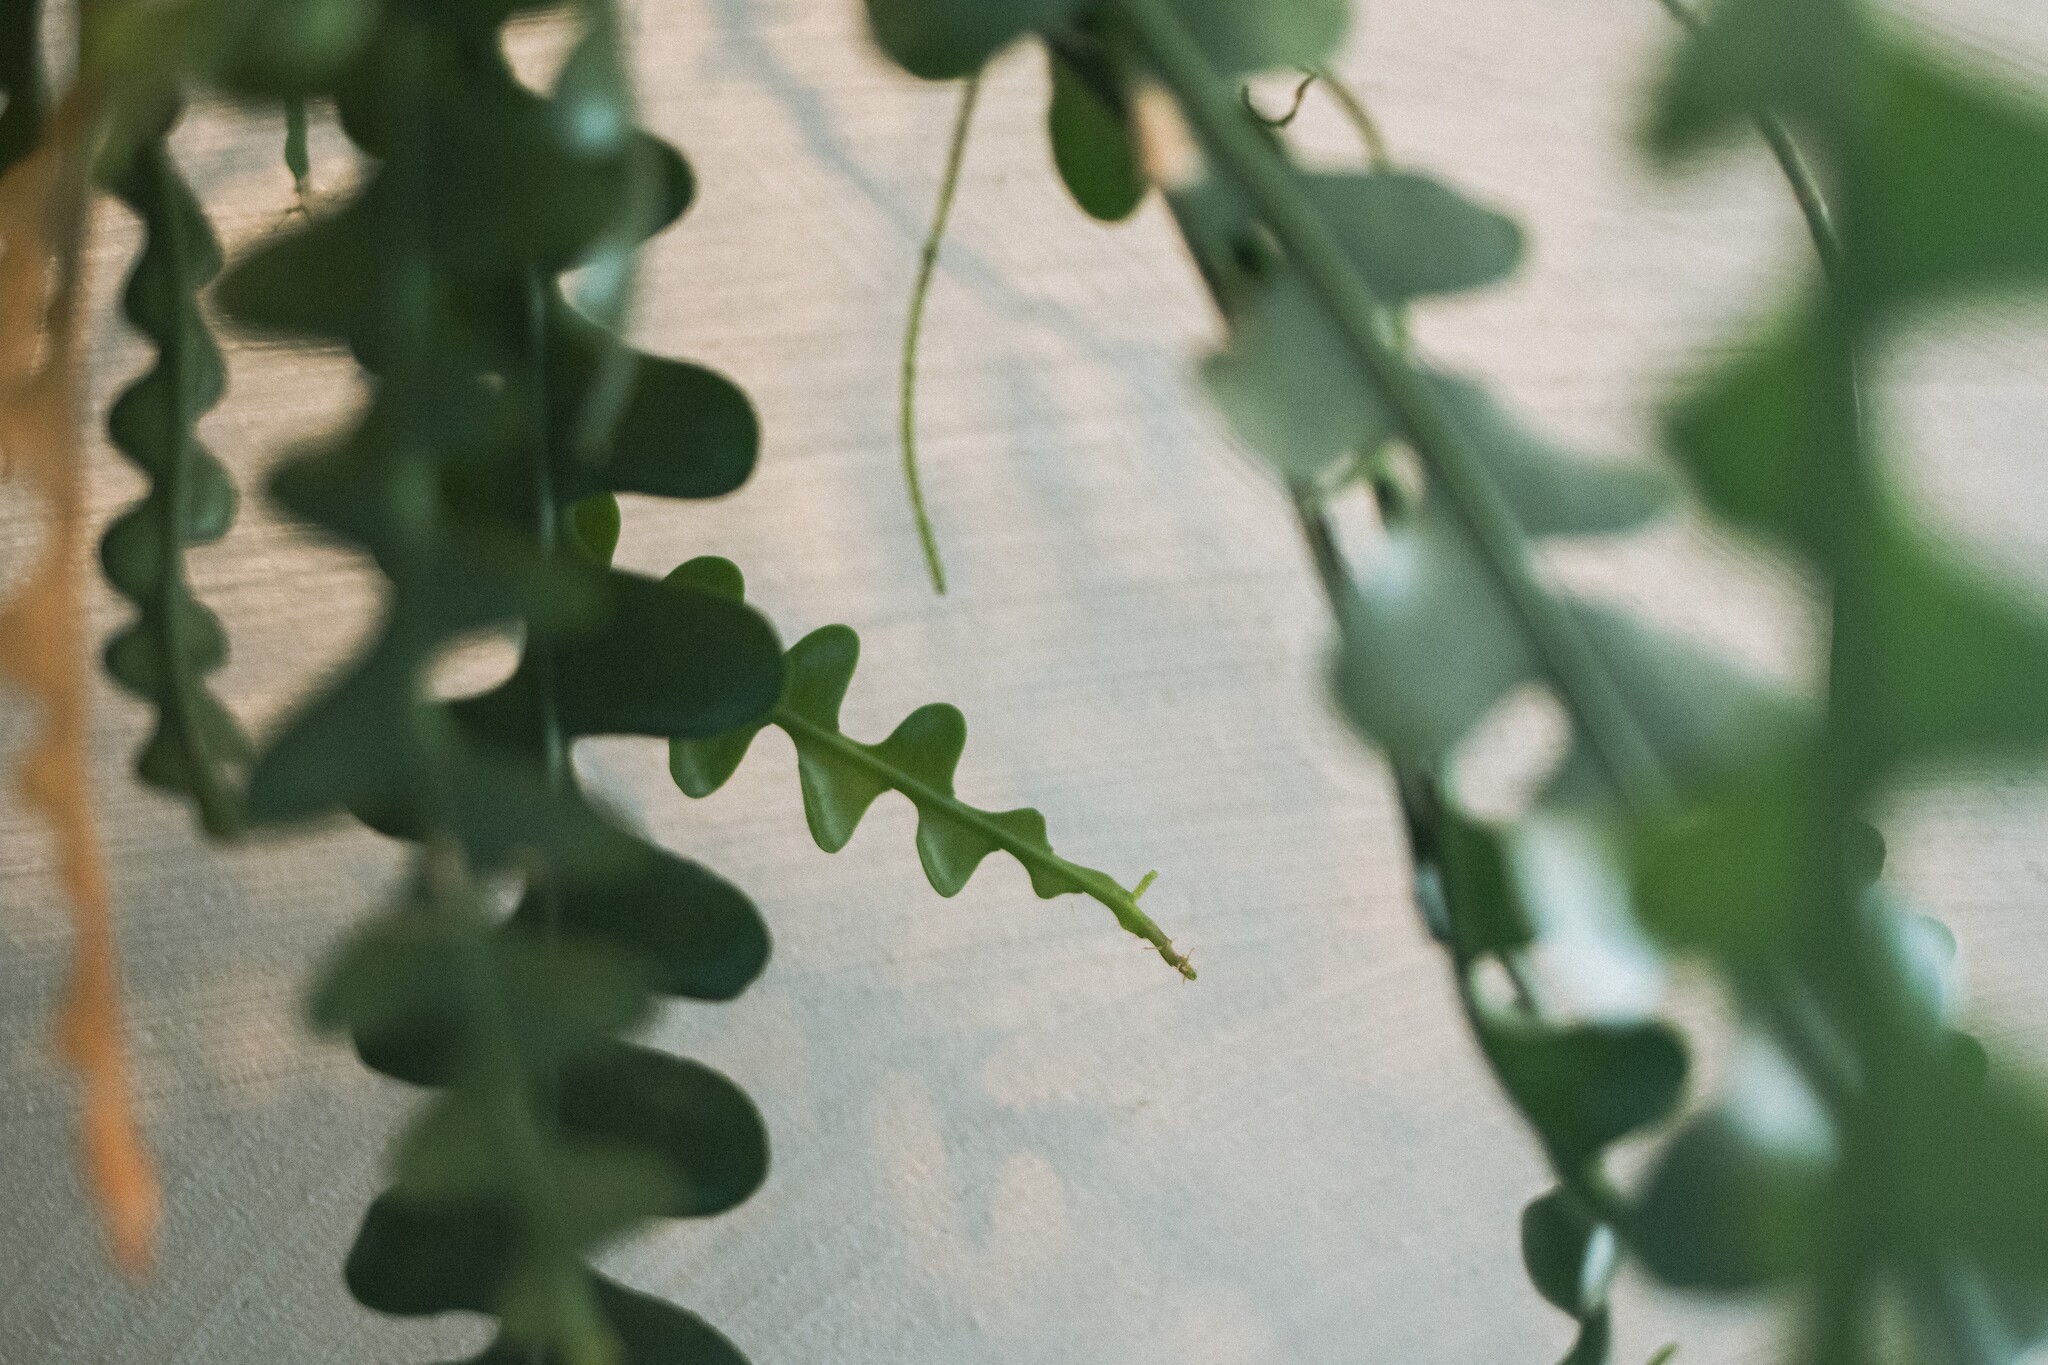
(413, 1258)
(663, 662)
(1958, 659)
(650, 1332)
(703, 1126)
(1288, 380)
(696, 934)
(1290, 388)
(1430, 643)
(1091, 146)
(1960, 192)
(23, 93)
(1724, 873)
(1240, 39)
(197, 749)
(1754, 437)
(391, 982)
(1482, 902)
(1571, 1260)
(947, 39)
(1570, 1257)
(1414, 236)
(1789, 56)
(593, 525)
(1727, 1211)
(1587, 1085)
(452, 1153)
(1705, 718)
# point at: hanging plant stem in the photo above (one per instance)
(1257, 168)
(913, 332)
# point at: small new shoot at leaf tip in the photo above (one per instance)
(1136, 921)
(297, 157)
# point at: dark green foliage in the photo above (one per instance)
(480, 479)
(1727, 1211)
(197, 749)
(1940, 182)
(551, 1138)
(1239, 39)
(650, 1332)
(1588, 1085)
(22, 85)
(1571, 1258)
(1090, 143)
(1740, 813)
(842, 777)
(942, 39)
(507, 415)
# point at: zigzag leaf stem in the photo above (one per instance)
(155, 424)
(1101, 886)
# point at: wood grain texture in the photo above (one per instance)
(1003, 1132)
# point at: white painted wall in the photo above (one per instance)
(1003, 1132)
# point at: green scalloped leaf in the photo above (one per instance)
(1290, 389)
(1411, 235)
(197, 749)
(1482, 907)
(275, 48)
(394, 979)
(1957, 198)
(1960, 193)
(1725, 872)
(494, 409)
(1959, 659)
(683, 431)
(842, 777)
(453, 1152)
(1595, 1344)
(1971, 1163)
(1753, 437)
(1704, 717)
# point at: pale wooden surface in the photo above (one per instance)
(1002, 1132)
